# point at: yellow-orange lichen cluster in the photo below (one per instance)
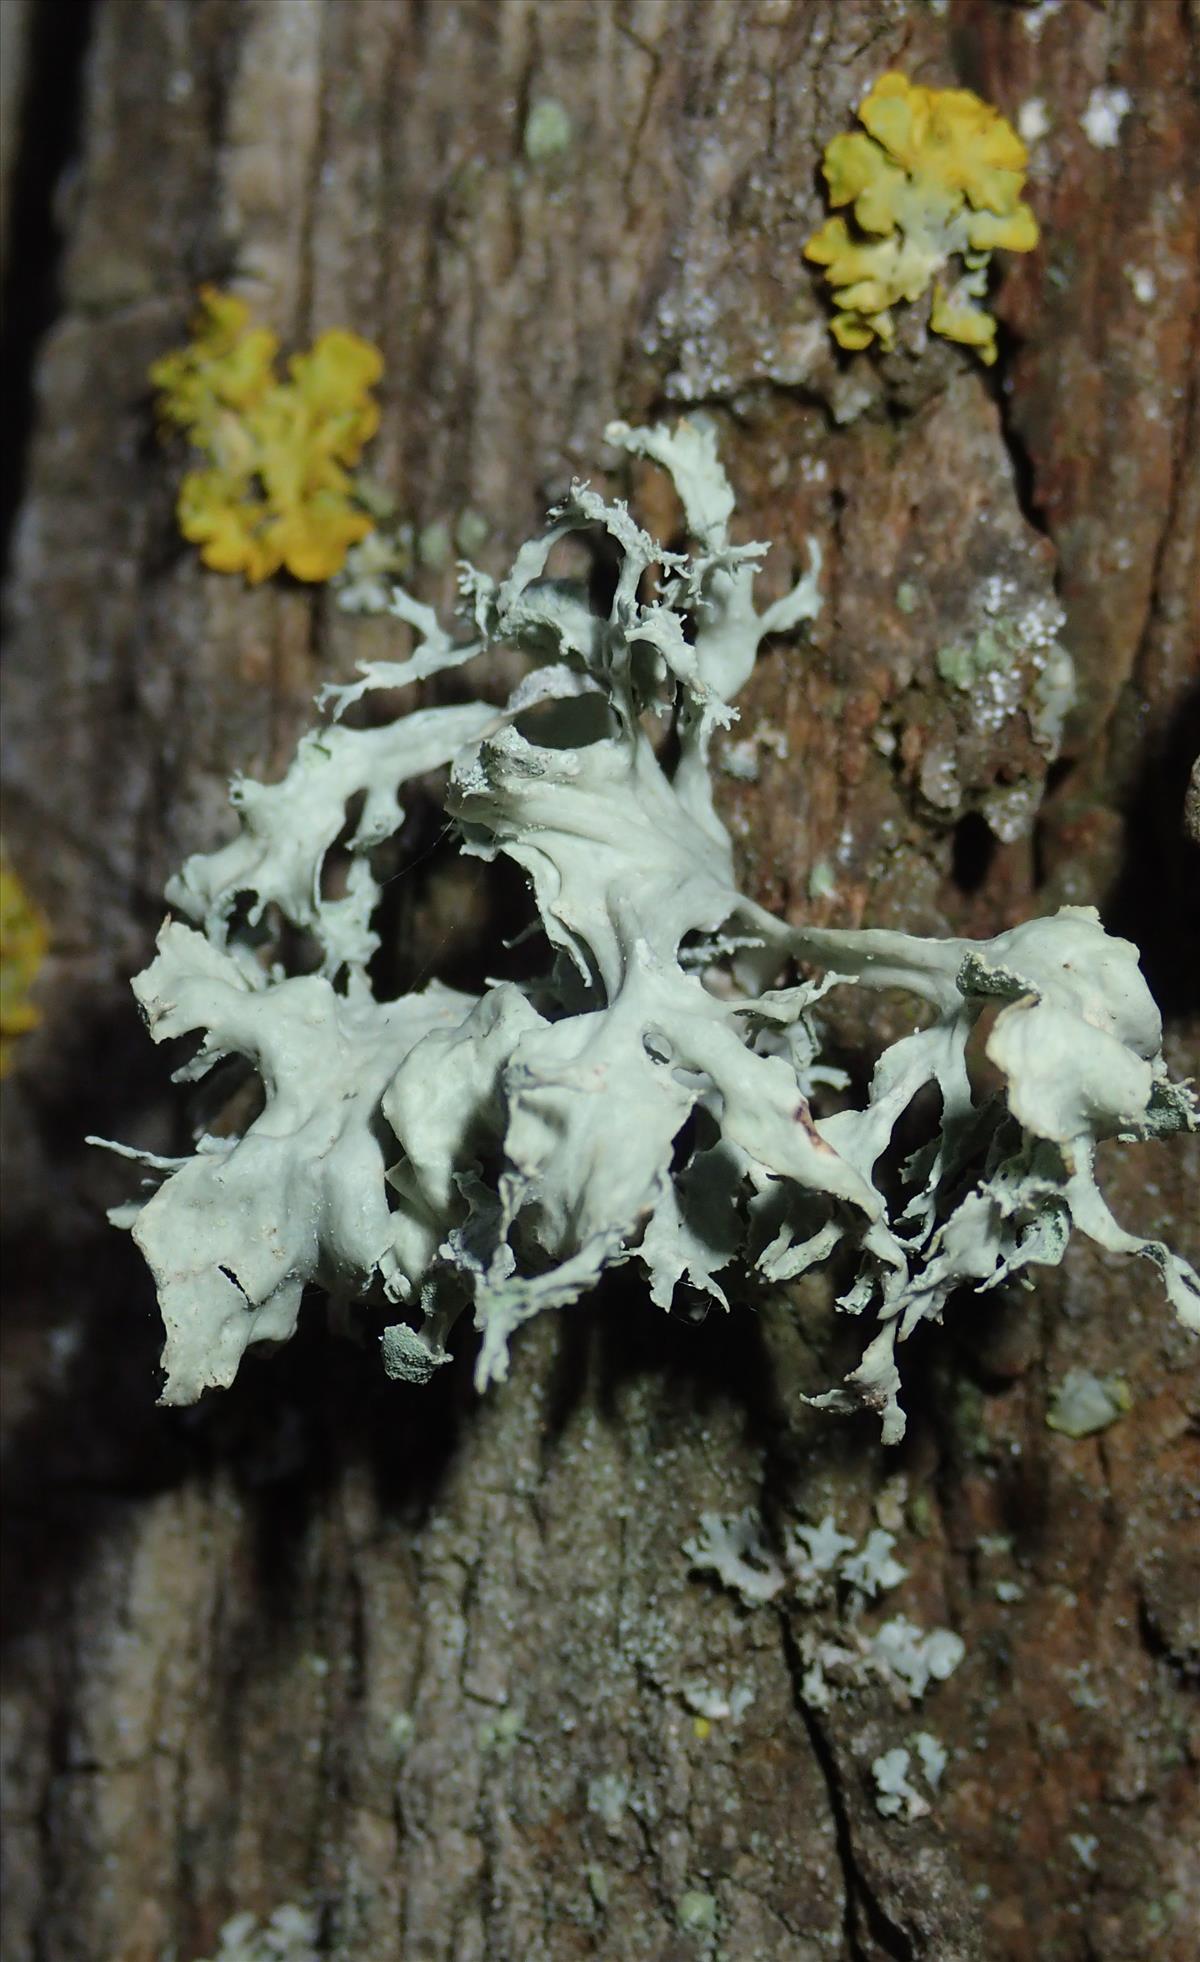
(23, 944)
(275, 491)
(937, 177)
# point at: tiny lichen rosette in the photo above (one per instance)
(276, 492)
(647, 1098)
(937, 178)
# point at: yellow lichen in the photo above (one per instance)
(276, 491)
(937, 177)
(23, 944)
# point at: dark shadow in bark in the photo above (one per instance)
(80, 1326)
(1156, 901)
(59, 32)
(79, 1300)
(92, 1440)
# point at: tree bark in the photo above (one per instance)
(418, 1659)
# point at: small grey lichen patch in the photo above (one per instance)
(735, 1551)
(872, 1569)
(1143, 284)
(407, 1356)
(471, 531)
(717, 1705)
(400, 1732)
(1101, 121)
(288, 1935)
(1012, 659)
(1083, 1692)
(1033, 120)
(1085, 1403)
(822, 880)
(608, 1797)
(740, 760)
(696, 1912)
(1034, 18)
(965, 663)
(499, 1735)
(548, 130)
(1006, 662)
(905, 1658)
(373, 570)
(932, 1753)
(1052, 696)
(821, 1567)
(435, 547)
(895, 1795)
(817, 1551)
(914, 1657)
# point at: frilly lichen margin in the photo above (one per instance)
(499, 1151)
(931, 182)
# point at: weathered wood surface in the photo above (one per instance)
(330, 1641)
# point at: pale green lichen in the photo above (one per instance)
(497, 1152)
(599, 1885)
(435, 547)
(895, 1795)
(471, 532)
(400, 1733)
(1013, 659)
(964, 664)
(822, 881)
(289, 1934)
(549, 130)
(373, 569)
(500, 1735)
(933, 1756)
(696, 1912)
(1085, 1403)
(713, 1705)
(821, 1567)
(608, 1797)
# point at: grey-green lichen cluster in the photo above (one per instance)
(648, 1099)
(289, 1934)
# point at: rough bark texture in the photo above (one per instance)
(331, 1641)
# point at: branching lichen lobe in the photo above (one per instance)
(500, 1151)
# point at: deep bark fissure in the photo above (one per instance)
(863, 1911)
(1024, 470)
(50, 135)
